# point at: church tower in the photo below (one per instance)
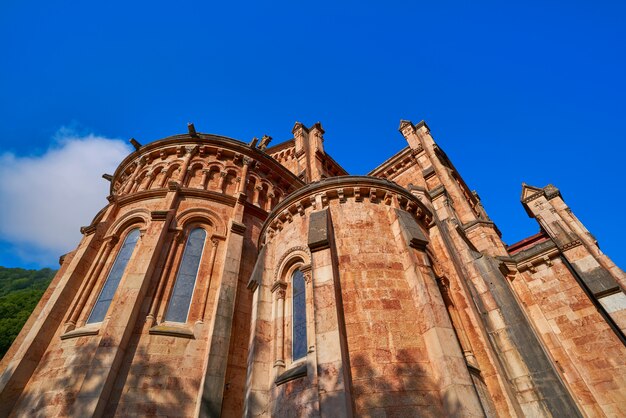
(233, 279)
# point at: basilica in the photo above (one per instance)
(229, 278)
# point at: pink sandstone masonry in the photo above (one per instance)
(313, 293)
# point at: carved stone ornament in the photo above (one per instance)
(289, 253)
(279, 287)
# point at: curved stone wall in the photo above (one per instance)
(362, 245)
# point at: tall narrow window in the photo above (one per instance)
(113, 280)
(299, 346)
(178, 308)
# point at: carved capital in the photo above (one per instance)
(111, 240)
(279, 289)
(179, 236)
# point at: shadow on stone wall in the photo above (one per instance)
(381, 387)
(146, 386)
(152, 388)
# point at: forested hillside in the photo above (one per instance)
(20, 290)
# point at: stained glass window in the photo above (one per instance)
(178, 307)
(113, 280)
(299, 345)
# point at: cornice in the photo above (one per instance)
(208, 195)
(281, 146)
(390, 162)
(137, 196)
(543, 252)
(210, 140)
(550, 192)
(359, 188)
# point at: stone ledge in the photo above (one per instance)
(81, 332)
(376, 190)
(172, 331)
(471, 224)
(292, 374)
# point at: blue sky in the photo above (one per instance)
(528, 92)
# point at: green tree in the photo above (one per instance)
(20, 291)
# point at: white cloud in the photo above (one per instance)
(45, 199)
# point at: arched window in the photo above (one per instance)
(298, 338)
(178, 308)
(113, 280)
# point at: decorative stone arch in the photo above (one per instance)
(251, 183)
(278, 196)
(211, 175)
(137, 181)
(201, 216)
(194, 174)
(216, 164)
(174, 165)
(215, 230)
(229, 177)
(265, 195)
(157, 174)
(284, 299)
(295, 255)
(137, 216)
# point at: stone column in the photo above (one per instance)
(212, 390)
(131, 180)
(205, 175)
(333, 372)
(278, 290)
(457, 323)
(209, 277)
(255, 196)
(247, 162)
(220, 186)
(157, 299)
(189, 151)
(260, 359)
